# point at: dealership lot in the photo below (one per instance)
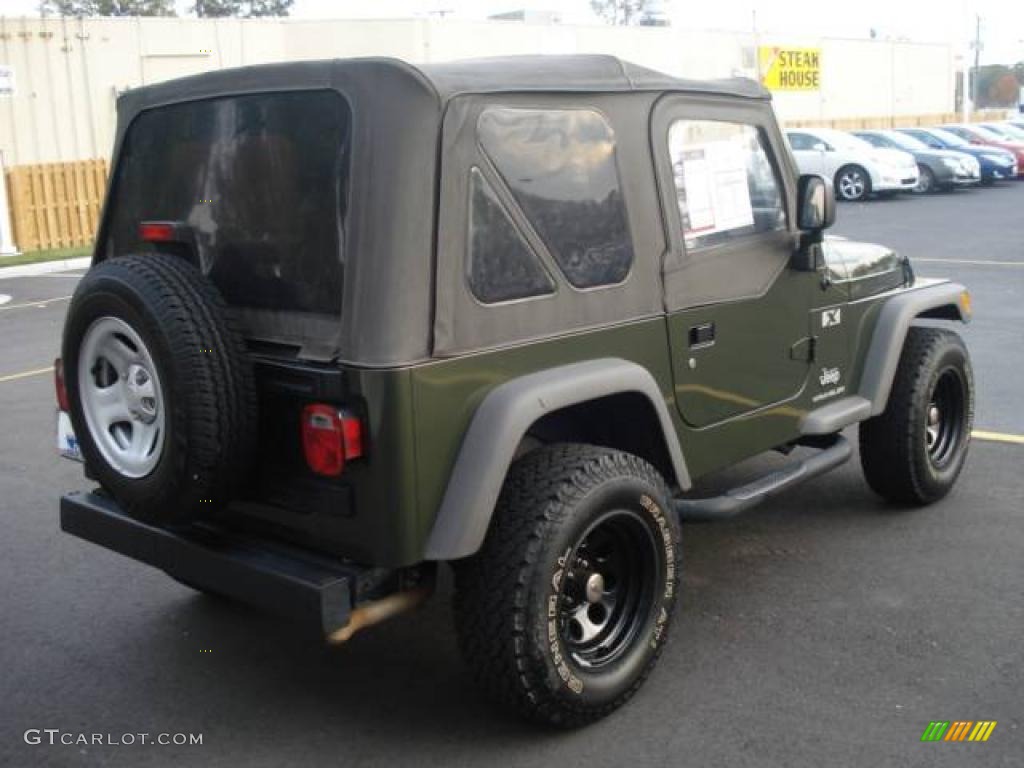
(821, 629)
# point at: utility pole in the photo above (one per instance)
(977, 62)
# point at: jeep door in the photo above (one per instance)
(736, 310)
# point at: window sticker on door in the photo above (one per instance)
(717, 192)
(725, 184)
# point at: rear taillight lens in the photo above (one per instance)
(330, 437)
(58, 383)
(156, 232)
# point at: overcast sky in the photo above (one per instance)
(918, 20)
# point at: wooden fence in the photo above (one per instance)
(56, 205)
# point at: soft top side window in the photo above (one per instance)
(501, 265)
(559, 165)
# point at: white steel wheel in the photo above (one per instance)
(122, 398)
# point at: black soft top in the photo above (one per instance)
(582, 73)
(591, 73)
(397, 110)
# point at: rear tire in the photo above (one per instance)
(565, 609)
(155, 321)
(912, 452)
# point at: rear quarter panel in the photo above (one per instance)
(446, 393)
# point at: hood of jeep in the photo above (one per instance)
(865, 269)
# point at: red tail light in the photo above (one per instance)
(156, 231)
(58, 383)
(330, 437)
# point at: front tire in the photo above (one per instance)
(912, 453)
(565, 609)
(925, 180)
(852, 183)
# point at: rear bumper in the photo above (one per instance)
(316, 592)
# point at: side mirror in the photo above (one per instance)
(816, 203)
(821, 146)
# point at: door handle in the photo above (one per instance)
(702, 335)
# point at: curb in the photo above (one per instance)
(43, 268)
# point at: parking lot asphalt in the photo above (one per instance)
(821, 629)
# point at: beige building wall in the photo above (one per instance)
(68, 72)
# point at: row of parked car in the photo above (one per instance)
(861, 163)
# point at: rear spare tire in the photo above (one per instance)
(160, 387)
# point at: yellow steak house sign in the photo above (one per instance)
(790, 69)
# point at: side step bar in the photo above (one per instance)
(736, 500)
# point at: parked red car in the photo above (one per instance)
(979, 135)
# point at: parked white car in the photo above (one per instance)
(856, 168)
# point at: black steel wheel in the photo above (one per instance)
(565, 609)
(914, 450)
(608, 585)
(944, 421)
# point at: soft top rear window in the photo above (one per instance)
(260, 178)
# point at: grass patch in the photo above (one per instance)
(55, 254)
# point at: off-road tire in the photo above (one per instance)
(552, 497)
(200, 358)
(894, 446)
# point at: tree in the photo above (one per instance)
(248, 9)
(996, 85)
(1005, 91)
(108, 7)
(619, 11)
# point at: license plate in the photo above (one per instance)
(67, 443)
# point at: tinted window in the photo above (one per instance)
(726, 183)
(261, 180)
(501, 265)
(802, 141)
(560, 167)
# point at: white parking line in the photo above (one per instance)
(40, 304)
(4, 298)
(25, 374)
(997, 437)
(979, 262)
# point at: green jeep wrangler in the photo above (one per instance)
(347, 320)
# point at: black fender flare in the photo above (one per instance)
(941, 300)
(500, 423)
